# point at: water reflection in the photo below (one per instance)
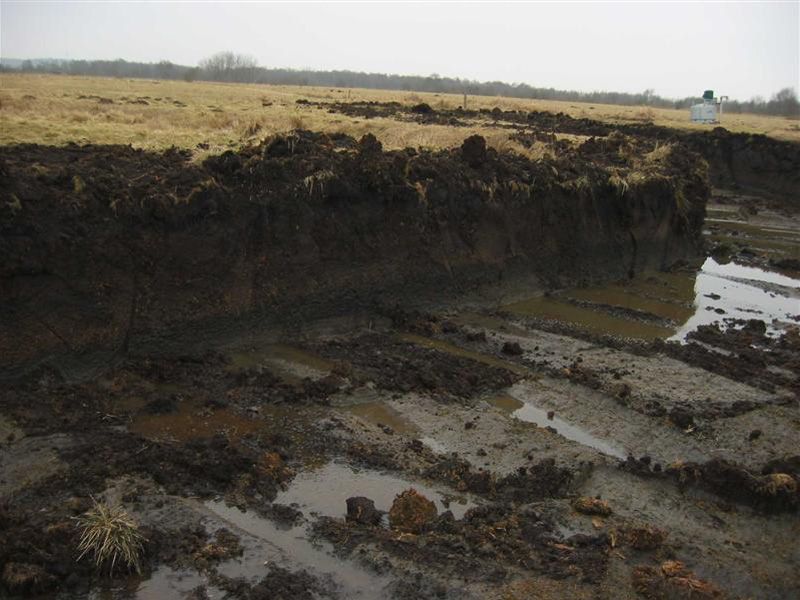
(521, 406)
(671, 305)
(733, 291)
(324, 491)
(269, 544)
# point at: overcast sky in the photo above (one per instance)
(678, 49)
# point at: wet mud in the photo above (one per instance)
(513, 399)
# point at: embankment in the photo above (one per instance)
(740, 161)
(743, 161)
(106, 249)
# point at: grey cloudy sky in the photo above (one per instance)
(678, 49)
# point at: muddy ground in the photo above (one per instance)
(579, 418)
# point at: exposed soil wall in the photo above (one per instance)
(736, 160)
(108, 248)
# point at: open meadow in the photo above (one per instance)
(212, 117)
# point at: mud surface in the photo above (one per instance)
(505, 407)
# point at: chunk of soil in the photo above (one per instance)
(473, 151)
(771, 492)
(411, 512)
(543, 479)
(591, 506)
(672, 580)
(224, 546)
(644, 538)
(362, 510)
(422, 109)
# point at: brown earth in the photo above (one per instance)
(115, 245)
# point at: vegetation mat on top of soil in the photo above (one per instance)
(737, 160)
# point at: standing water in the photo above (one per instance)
(672, 305)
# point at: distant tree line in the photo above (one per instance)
(231, 67)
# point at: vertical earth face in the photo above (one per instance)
(317, 369)
(120, 247)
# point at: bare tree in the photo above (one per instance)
(785, 103)
(228, 66)
(165, 70)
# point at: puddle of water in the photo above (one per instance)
(524, 410)
(288, 362)
(292, 549)
(638, 295)
(676, 288)
(381, 414)
(457, 351)
(588, 319)
(680, 297)
(192, 421)
(736, 271)
(738, 298)
(132, 380)
(324, 491)
(168, 583)
(506, 403)
(164, 582)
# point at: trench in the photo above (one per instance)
(311, 259)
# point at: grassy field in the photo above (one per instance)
(57, 109)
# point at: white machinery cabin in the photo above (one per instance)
(710, 111)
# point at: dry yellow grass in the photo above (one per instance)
(111, 537)
(49, 109)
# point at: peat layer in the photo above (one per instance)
(743, 161)
(107, 248)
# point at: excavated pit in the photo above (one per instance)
(258, 356)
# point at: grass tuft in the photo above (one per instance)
(111, 537)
